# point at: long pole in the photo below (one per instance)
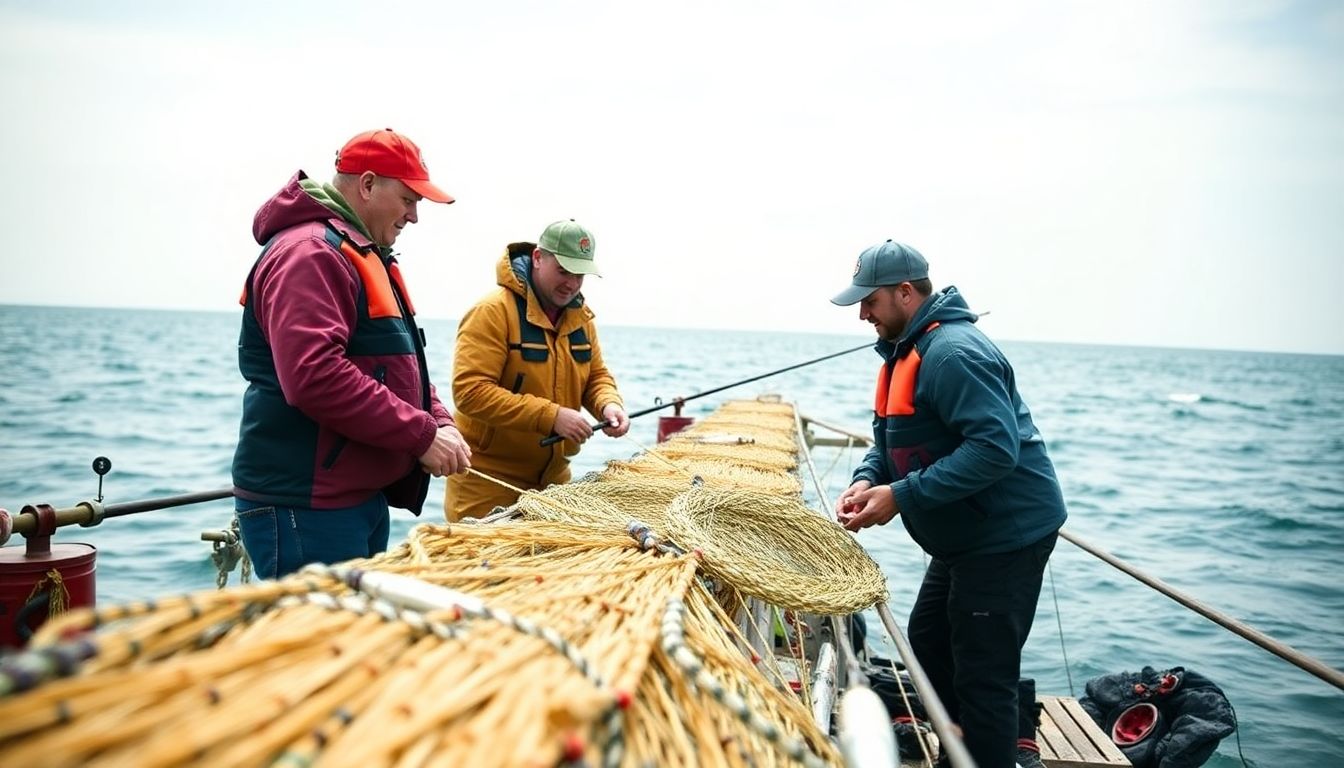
(678, 401)
(933, 706)
(91, 512)
(839, 624)
(1285, 652)
(956, 750)
(1282, 650)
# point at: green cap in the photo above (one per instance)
(573, 246)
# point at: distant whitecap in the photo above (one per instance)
(1184, 397)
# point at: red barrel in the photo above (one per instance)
(32, 585)
(671, 425)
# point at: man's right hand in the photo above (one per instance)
(571, 425)
(449, 454)
(845, 506)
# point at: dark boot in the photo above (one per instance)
(1028, 720)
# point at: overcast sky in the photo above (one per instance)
(1154, 173)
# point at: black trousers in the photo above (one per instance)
(967, 629)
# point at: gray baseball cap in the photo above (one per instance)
(889, 263)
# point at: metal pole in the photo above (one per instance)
(90, 513)
(933, 706)
(552, 439)
(864, 439)
(147, 505)
(823, 687)
(839, 627)
(1285, 652)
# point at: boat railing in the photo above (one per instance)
(1287, 653)
(939, 719)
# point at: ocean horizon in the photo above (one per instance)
(858, 335)
(1219, 471)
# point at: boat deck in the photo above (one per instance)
(1067, 736)
(1070, 739)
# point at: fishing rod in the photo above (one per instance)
(679, 401)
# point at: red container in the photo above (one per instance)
(29, 582)
(671, 425)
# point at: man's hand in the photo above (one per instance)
(845, 504)
(571, 425)
(449, 454)
(617, 422)
(872, 506)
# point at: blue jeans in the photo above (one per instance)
(281, 540)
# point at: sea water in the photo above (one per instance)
(1220, 473)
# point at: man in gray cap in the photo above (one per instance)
(957, 457)
(527, 360)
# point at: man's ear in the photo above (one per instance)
(366, 181)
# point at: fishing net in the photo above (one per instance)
(537, 641)
(778, 550)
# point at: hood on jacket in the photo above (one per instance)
(514, 271)
(302, 201)
(945, 306)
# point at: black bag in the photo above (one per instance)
(1192, 715)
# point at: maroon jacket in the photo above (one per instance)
(339, 405)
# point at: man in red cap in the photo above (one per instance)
(339, 418)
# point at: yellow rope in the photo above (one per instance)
(58, 600)
(266, 672)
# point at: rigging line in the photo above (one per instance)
(1236, 728)
(922, 737)
(678, 401)
(649, 452)
(1059, 624)
(804, 673)
(524, 493)
(840, 454)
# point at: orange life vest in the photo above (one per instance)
(376, 276)
(896, 384)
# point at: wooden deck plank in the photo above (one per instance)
(1077, 739)
(1055, 747)
(1069, 739)
(1100, 741)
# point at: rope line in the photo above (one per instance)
(1059, 624)
(548, 629)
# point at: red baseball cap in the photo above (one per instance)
(388, 153)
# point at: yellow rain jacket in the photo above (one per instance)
(510, 378)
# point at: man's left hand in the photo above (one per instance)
(617, 422)
(874, 506)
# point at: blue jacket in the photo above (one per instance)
(967, 467)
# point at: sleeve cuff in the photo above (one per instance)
(905, 500)
(546, 419)
(428, 429)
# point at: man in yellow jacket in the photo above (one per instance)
(527, 359)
